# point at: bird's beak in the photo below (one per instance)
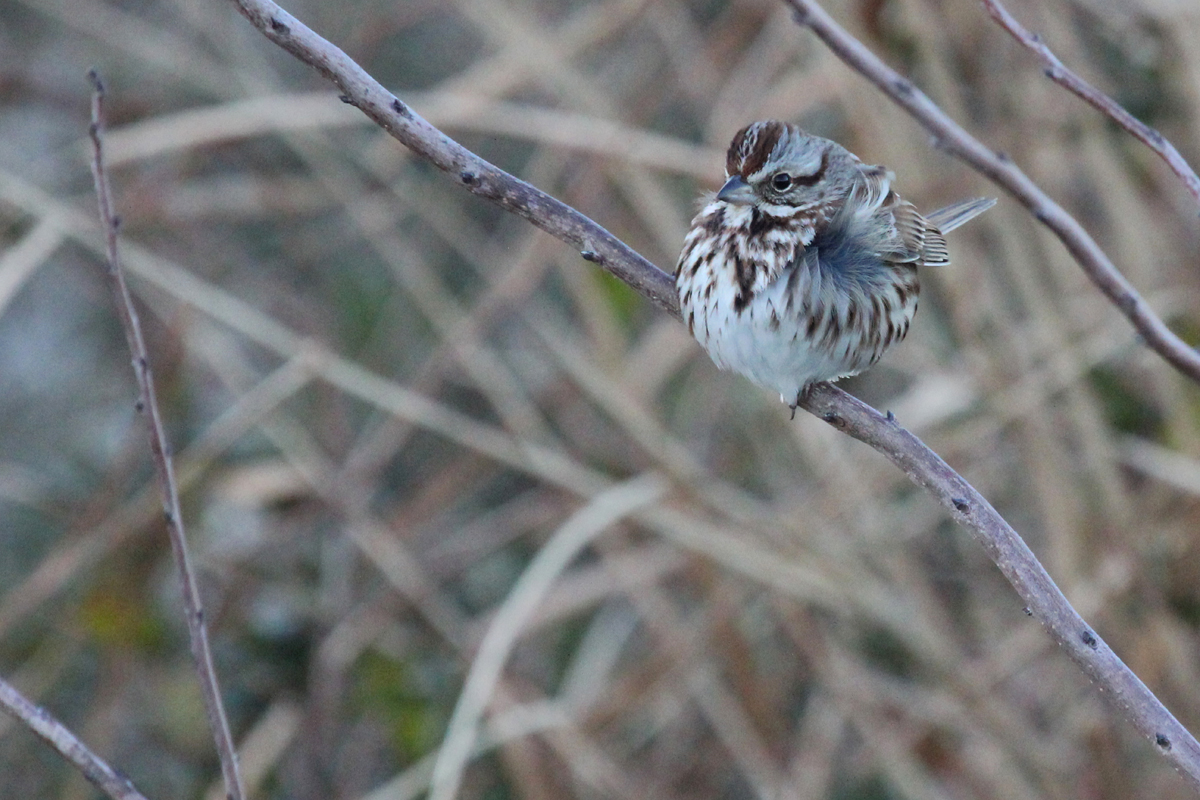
(736, 190)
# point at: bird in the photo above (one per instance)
(804, 266)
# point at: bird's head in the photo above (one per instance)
(779, 169)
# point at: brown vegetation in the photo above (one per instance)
(404, 419)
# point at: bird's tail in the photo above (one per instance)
(948, 218)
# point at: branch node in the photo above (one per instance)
(468, 177)
(1088, 638)
(590, 255)
(400, 108)
(890, 417)
(961, 505)
(347, 99)
(834, 419)
(280, 27)
(1028, 611)
(1162, 741)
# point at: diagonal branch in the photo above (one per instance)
(1044, 601)
(58, 736)
(1001, 170)
(1066, 78)
(147, 404)
(478, 176)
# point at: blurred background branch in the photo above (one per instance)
(849, 643)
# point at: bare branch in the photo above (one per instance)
(922, 465)
(1043, 599)
(147, 404)
(553, 216)
(1059, 73)
(1001, 170)
(55, 734)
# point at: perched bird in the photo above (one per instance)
(803, 268)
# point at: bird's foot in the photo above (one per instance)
(801, 396)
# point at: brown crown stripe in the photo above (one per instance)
(752, 147)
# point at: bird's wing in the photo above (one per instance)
(913, 239)
(946, 219)
(888, 225)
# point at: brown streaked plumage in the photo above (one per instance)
(803, 268)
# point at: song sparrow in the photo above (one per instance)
(803, 268)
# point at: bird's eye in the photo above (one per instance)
(781, 181)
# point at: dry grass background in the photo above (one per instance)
(387, 398)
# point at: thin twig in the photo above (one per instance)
(1001, 170)
(922, 465)
(55, 734)
(163, 465)
(1062, 75)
